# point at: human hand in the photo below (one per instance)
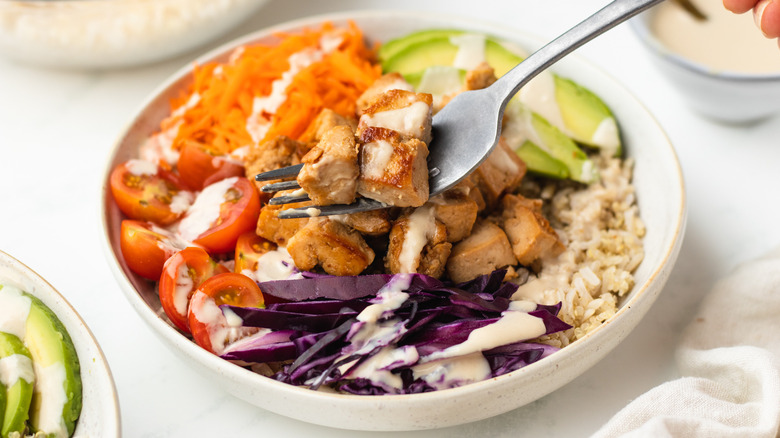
(765, 12)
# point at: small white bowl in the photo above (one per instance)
(661, 198)
(724, 96)
(100, 405)
(116, 33)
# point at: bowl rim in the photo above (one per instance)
(81, 334)
(640, 26)
(190, 349)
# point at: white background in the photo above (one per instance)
(57, 128)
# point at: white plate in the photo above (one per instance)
(100, 405)
(661, 198)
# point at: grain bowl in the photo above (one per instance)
(657, 188)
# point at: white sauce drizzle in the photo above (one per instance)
(421, 227)
(184, 286)
(141, 167)
(390, 297)
(259, 122)
(15, 367)
(539, 96)
(606, 136)
(440, 80)
(452, 372)
(16, 308)
(513, 326)
(409, 120)
(376, 157)
(205, 210)
(471, 50)
(50, 390)
(275, 265)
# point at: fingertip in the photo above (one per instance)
(739, 6)
(767, 16)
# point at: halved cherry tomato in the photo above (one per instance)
(209, 326)
(182, 273)
(145, 249)
(249, 248)
(144, 191)
(199, 167)
(237, 212)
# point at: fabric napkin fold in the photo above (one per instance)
(729, 359)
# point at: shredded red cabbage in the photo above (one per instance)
(315, 335)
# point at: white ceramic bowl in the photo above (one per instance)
(723, 96)
(116, 33)
(661, 198)
(100, 405)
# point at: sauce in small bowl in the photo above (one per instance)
(723, 66)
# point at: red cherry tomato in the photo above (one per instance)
(199, 167)
(249, 248)
(144, 191)
(145, 249)
(237, 212)
(182, 273)
(209, 326)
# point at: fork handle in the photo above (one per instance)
(606, 18)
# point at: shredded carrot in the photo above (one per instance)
(225, 93)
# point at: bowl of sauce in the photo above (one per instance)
(722, 65)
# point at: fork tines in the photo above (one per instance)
(362, 204)
(283, 172)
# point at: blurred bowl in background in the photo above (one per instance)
(723, 67)
(115, 33)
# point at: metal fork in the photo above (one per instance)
(467, 129)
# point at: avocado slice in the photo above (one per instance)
(56, 401)
(18, 382)
(392, 47)
(540, 162)
(584, 116)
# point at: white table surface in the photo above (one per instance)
(57, 128)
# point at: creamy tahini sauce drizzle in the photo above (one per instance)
(205, 210)
(409, 120)
(452, 372)
(259, 122)
(471, 50)
(184, 286)
(16, 308)
(50, 390)
(606, 136)
(515, 325)
(377, 156)
(539, 96)
(390, 297)
(15, 367)
(274, 265)
(723, 42)
(420, 228)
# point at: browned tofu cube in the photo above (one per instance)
(279, 231)
(369, 223)
(330, 170)
(393, 170)
(482, 76)
(389, 81)
(457, 211)
(529, 232)
(484, 251)
(405, 112)
(338, 249)
(270, 155)
(501, 173)
(325, 120)
(418, 243)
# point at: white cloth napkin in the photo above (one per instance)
(729, 357)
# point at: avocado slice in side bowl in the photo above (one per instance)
(17, 377)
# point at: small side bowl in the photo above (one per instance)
(729, 97)
(100, 405)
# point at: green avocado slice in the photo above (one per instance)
(19, 390)
(585, 117)
(540, 162)
(57, 364)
